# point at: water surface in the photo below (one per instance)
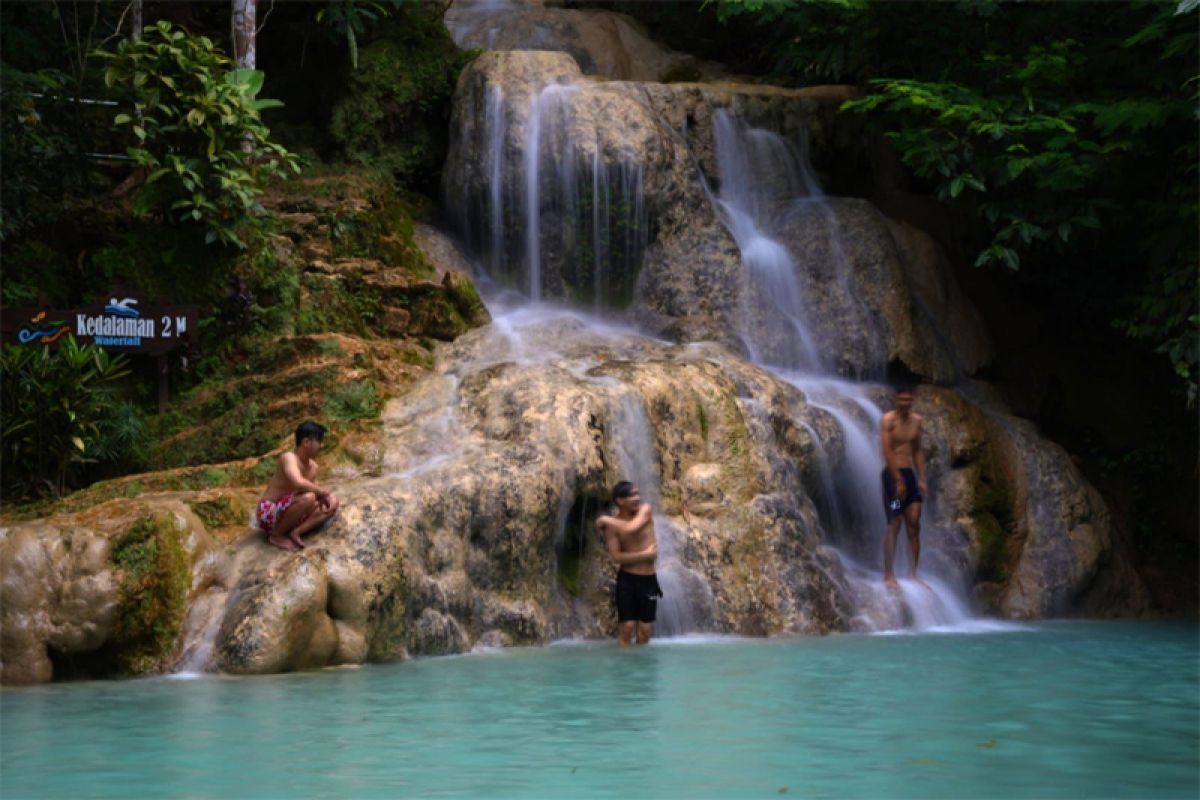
(1052, 710)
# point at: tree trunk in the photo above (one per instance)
(135, 20)
(243, 32)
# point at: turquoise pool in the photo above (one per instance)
(1068, 709)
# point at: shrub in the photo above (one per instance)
(199, 133)
(354, 400)
(395, 112)
(59, 413)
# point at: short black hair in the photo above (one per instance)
(309, 430)
(622, 489)
(904, 387)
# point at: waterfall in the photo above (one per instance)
(636, 455)
(753, 165)
(768, 187)
(495, 153)
(583, 230)
(765, 183)
(583, 219)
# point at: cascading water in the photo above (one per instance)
(757, 170)
(582, 228)
(764, 184)
(580, 216)
(636, 454)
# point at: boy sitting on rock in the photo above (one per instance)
(293, 503)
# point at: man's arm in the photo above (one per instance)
(889, 456)
(612, 542)
(919, 460)
(291, 470)
(623, 527)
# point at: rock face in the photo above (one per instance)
(602, 42)
(490, 540)
(97, 593)
(476, 546)
(581, 189)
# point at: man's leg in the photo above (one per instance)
(644, 629)
(625, 633)
(912, 524)
(316, 519)
(889, 550)
(302, 506)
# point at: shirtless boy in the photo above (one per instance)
(629, 537)
(294, 504)
(903, 489)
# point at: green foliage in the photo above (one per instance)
(350, 18)
(154, 574)
(59, 413)
(394, 114)
(198, 130)
(806, 40)
(1054, 153)
(353, 400)
(122, 442)
(1033, 153)
(36, 146)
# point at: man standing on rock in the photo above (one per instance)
(629, 537)
(293, 503)
(903, 489)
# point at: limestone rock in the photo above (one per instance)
(75, 589)
(478, 529)
(602, 42)
(528, 128)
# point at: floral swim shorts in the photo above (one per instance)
(269, 511)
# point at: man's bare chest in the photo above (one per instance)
(640, 539)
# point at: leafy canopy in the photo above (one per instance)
(198, 131)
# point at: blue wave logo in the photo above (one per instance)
(35, 329)
(122, 308)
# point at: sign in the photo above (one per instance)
(122, 324)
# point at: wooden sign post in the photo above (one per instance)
(121, 323)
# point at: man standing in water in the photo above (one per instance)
(629, 537)
(293, 503)
(903, 489)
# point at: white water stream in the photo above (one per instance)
(764, 183)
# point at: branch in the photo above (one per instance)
(264, 22)
(120, 24)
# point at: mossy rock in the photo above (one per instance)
(222, 511)
(994, 517)
(154, 572)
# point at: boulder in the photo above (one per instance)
(98, 593)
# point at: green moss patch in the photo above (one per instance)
(220, 512)
(154, 573)
(993, 515)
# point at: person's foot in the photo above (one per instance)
(926, 586)
(891, 581)
(296, 540)
(282, 542)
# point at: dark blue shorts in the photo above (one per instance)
(891, 504)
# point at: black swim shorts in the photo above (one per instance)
(912, 495)
(636, 597)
